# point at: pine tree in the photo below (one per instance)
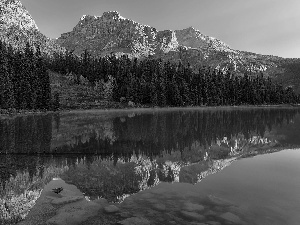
(56, 103)
(6, 86)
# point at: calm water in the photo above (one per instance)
(214, 166)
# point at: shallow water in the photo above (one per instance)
(267, 185)
(215, 166)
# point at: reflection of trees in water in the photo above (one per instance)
(110, 179)
(16, 207)
(106, 178)
(115, 178)
(22, 185)
(176, 130)
(196, 134)
(20, 137)
(135, 152)
(26, 135)
(150, 134)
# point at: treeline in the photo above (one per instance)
(152, 81)
(24, 80)
(25, 83)
(150, 135)
(146, 134)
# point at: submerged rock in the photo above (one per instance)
(135, 221)
(125, 214)
(52, 195)
(159, 207)
(231, 218)
(213, 223)
(192, 215)
(65, 200)
(238, 210)
(192, 207)
(66, 192)
(101, 201)
(210, 213)
(219, 201)
(75, 213)
(111, 209)
(147, 195)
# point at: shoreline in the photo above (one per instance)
(14, 113)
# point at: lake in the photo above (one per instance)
(227, 165)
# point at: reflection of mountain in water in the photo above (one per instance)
(28, 134)
(122, 154)
(152, 133)
(213, 134)
(22, 181)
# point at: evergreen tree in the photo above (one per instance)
(6, 86)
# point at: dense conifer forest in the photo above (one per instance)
(25, 83)
(24, 80)
(152, 81)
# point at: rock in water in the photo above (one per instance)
(57, 190)
(101, 201)
(111, 209)
(75, 213)
(231, 218)
(192, 207)
(135, 221)
(159, 206)
(65, 200)
(193, 215)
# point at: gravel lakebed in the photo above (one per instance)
(162, 204)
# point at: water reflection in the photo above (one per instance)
(114, 155)
(28, 134)
(22, 181)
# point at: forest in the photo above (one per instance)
(25, 83)
(24, 80)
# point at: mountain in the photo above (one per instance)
(18, 27)
(112, 33)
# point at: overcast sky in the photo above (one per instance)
(262, 26)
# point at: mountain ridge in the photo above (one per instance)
(91, 24)
(113, 33)
(17, 27)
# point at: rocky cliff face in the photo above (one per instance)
(13, 13)
(112, 33)
(17, 27)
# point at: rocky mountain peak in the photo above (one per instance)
(18, 27)
(193, 38)
(112, 33)
(109, 33)
(87, 18)
(13, 13)
(112, 15)
(191, 29)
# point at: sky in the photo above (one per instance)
(270, 27)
